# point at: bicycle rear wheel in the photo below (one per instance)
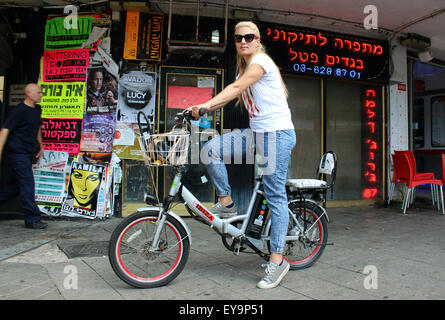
(131, 256)
(312, 232)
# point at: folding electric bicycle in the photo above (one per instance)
(150, 247)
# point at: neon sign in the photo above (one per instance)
(320, 53)
(371, 153)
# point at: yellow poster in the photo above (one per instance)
(63, 100)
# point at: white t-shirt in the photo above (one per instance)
(265, 100)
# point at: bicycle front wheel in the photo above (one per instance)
(311, 228)
(133, 258)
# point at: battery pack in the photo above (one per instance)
(257, 219)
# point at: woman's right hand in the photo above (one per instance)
(195, 110)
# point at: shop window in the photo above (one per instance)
(198, 29)
(437, 121)
(180, 88)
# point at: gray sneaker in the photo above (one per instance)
(222, 211)
(274, 274)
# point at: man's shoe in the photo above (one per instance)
(36, 225)
(274, 274)
(222, 211)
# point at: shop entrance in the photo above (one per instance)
(428, 116)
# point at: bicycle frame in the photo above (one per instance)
(222, 226)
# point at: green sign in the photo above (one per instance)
(59, 37)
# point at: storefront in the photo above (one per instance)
(427, 121)
(337, 94)
(337, 88)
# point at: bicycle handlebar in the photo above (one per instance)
(145, 126)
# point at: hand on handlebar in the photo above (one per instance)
(198, 111)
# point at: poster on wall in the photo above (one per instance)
(137, 92)
(62, 99)
(84, 188)
(99, 120)
(49, 176)
(102, 91)
(61, 135)
(126, 141)
(57, 36)
(65, 65)
(98, 133)
(143, 36)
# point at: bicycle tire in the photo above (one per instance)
(312, 212)
(136, 274)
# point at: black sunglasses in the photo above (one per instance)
(248, 37)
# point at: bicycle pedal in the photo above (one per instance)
(237, 248)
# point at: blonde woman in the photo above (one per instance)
(260, 86)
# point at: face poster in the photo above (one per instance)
(84, 186)
(136, 93)
(102, 91)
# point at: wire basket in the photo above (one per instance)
(165, 149)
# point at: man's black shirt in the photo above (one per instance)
(23, 123)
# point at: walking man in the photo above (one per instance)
(21, 139)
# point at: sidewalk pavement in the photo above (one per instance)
(405, 253)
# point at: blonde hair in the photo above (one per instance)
(241, 63)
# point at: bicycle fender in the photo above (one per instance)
(319, 206)
(173, 215)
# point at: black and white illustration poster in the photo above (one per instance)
(137, 91)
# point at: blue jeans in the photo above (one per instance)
(274, 149)
(21, 165)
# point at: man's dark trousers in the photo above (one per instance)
(23, 184)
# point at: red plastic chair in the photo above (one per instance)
(403, 167)
(417, 175)
(396, 178)
(412, 159)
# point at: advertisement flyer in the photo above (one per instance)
(137, 92)
(65, 65)
(62, 135)
(49, 176)
(62, 99)
(85, 184)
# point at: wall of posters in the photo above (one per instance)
(85, 183)
(79, 106)
(137, 92)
